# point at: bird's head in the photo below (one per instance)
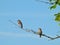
(39, 30)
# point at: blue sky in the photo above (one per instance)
(33, 15)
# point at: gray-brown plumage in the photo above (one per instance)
(20, 23)
(39, 32)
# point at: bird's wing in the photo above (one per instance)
(47, 36)
(20, 23)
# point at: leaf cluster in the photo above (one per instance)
(57, 17)
(55, 3)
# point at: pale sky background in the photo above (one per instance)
(33, 15)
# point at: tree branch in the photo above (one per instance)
(30, 30)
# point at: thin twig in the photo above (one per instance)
(45, 2)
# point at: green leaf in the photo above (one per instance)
(53, 7)
(57, 17)
(58, 2)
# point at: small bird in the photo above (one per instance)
(20, 23)
(40, 32)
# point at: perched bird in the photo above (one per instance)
(39, 32)
(20, 23)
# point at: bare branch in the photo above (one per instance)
(45, 2)
(56, 37)
(47, 36)
(30, 30)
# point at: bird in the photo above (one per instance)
(20, 23)
(39, 32)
